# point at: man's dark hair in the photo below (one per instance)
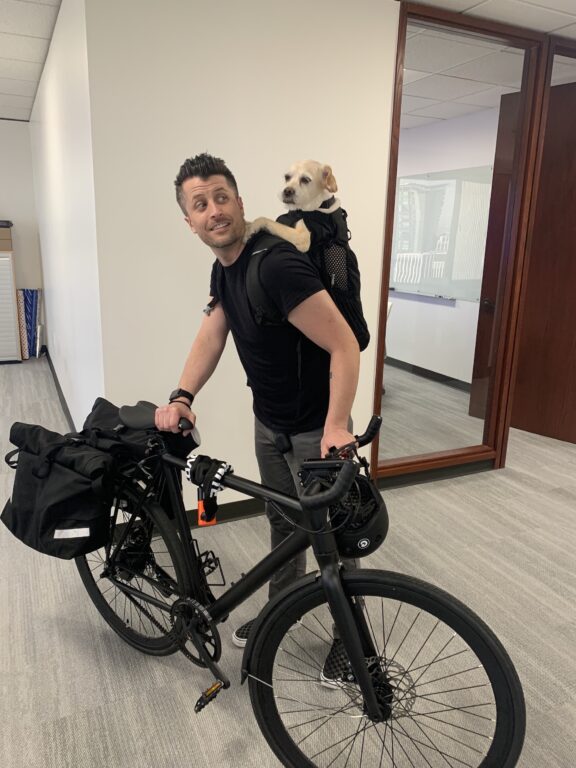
(203, 166)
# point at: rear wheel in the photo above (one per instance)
(146, 556)
(449, 694)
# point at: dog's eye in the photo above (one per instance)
(305, 180)
(287, 177)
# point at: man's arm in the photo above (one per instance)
(200, 364)
(318, 318)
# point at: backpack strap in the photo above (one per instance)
(264, 310)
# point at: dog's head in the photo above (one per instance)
(307, 185)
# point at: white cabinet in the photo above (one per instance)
(9, 331)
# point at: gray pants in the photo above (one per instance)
(280, 471)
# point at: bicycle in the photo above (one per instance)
(424, 681)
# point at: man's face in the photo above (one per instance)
(214, 211)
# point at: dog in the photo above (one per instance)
(308, 186)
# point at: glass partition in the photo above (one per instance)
(458, 132)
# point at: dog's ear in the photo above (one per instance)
(328, 179)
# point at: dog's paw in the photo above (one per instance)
(301, 236)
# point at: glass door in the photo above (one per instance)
(456, 181)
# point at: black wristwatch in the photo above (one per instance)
(181, 393)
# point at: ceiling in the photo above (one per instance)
(441, 81)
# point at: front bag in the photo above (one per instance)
(59, 501)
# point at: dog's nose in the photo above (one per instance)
(288, 192)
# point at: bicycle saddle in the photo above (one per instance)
(141, 416)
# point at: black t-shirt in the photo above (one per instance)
(288, 374)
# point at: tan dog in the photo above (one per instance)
(308, 184)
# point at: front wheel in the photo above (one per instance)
(450, 694)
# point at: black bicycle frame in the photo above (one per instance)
(354, 633)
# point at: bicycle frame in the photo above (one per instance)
(348, 616)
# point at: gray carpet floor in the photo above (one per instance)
(75, 696)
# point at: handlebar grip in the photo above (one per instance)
(311, 500)
(185, 423)
(371, 431)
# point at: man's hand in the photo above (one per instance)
(168, 416)
(334, 437)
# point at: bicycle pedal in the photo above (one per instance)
(208, 695)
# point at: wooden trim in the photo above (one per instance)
(427, 461)
(498, 417)
(537, 121)
(515, 239)
(389, 227)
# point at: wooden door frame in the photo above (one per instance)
(554, 45)
(497, 422)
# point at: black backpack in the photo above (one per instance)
(332, 256)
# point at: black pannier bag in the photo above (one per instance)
(59, 503)
(61, 500)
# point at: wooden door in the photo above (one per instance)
(544, 398)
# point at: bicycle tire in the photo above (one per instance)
(453, 694)
(150, 560)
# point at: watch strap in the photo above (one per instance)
(181, 393)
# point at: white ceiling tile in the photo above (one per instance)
(569, 32)
(497, 68)
(412, 121)
(447, 110)
(20, 87)
(56, 3)
(444, 88)
(469, 38)
(23, 48)
(486, 99)
(452, 5)
(20, 70)
(411, 75)
(16, 113)
(565, 6)
(563, 70)
(522, 14)
(411, 103)
(32, 19)
(427, 53)
(7, 100)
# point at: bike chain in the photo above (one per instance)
(180, 641)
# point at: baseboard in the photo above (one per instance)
(427, 374)
(61, 397)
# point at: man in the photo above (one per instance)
(303, 373)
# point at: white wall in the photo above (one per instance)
(64, 185)
(17, 201)
(436, 336)
(237, 82)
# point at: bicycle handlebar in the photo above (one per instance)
(141, 416)
(313, 499)
(371, 431)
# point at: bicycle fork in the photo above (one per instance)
(351, 624)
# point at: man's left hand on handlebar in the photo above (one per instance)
(168, 416)
(335, 437)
